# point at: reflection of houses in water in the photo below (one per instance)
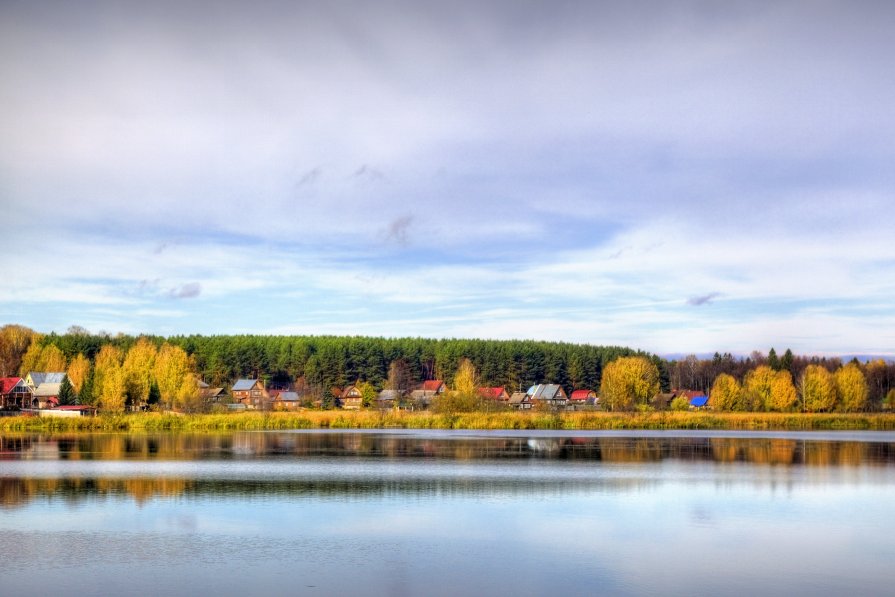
(248, 444)
(544, 446)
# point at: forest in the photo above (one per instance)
(134, 369)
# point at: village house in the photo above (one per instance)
(388, 399)
(71, 410)
(211, 395)
(548, 395)
(14, 393)
(250, 392)
(582, 398)
(499, 395)
(520, 400)
(427, 391)
(286, 400)
(44, 388)
(351, 397)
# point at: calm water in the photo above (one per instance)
(448, 513)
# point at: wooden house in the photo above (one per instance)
(582, 398)
(548, 395)
(250, 392)
(14, 393)
(209, 394)
(497, 394)
(351, 397)
(286, 400)
(520, 401)
(427, 391)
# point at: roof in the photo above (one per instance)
(690, 394)
(546, 391)
(518, 397)
(47, 389)
(242, 385)
(582, 394)
(8, 383)
(389, 395)
(431, 385)
(75, 407)
(491, 392)
(699, 401)
(40, 377)
(348, 390)
(288, 396)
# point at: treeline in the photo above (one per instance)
(330, 361)
(131, 370)
(788, 382)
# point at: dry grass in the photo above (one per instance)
(335, 419)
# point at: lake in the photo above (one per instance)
(448, 513)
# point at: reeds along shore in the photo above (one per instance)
(152, 422)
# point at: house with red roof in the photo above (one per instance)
(14, 393)
(497, 394)
(427, 391)
(581, 398)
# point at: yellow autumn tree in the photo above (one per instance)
(466, 380)
(14, 343)
(757, 388)
(138, 370)
(171, 365)
(78, 370)
(107, 359)
(851, 388)
(726, 393)
(188, 398)
(114, 388)
(818, 389)
(627, 382)
(463, 397)
(31, 359)
(52, 359)
(783, 395)
(368, 394)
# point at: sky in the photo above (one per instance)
(675, 176)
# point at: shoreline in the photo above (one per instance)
(583, 421)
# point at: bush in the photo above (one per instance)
(680, 403)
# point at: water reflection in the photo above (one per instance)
(611, 449)
(447, 513)
(78, 468)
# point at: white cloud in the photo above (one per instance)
(578, 174)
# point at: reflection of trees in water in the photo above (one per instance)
(273, 445)
(77, 491)
(19, 491)
(335, 484)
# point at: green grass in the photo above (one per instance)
(475, 420)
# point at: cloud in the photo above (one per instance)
(189, 290)
(367, 173)
(310, 177)
(705, 299)
(398, 230)
(582, 167)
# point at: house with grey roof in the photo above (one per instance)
(286, 400)
(520, 400)
(250, 392)
(548, 394)
(36, 378)
(45, 387)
